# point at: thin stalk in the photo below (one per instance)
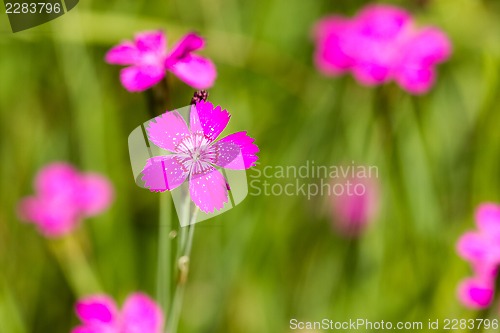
(183, 267)
(163, 286)
(75, 266)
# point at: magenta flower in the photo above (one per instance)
(148, 61)
(380, 44)
(482, 249)
(356, 206)
(63, 198)
(195, 154)
(99, 314)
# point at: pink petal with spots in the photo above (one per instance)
(141, 315)
(475, 294)
(474, 247)
(140, 78)
(151, 41)
(236, 151)
(208, 189)
(123, 54)
(164, 173)
(95, 194)
(212, 120)
(488, 218)
(330, 56)
(167, 130)
(97, 309)
(189, 43)
(196, 71)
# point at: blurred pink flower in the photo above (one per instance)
(476, 293)
(381, 43)
(356, 207)
(99, 314)
(195, 154)
(63, 197)
(148, 60)
(482, 249)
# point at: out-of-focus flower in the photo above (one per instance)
(381, 43)
(64, 197)
(195, 154)
(482, 249)
(355, 206)
(148, 61)
(99, 314)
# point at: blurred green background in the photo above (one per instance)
(272, 258)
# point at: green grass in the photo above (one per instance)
(272, 258)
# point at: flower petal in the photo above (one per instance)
(371, 73)
(196, 71)
(97, 309)
(140, 78)
(211, 120)
(168, 130)
(427, 47)
(236, 151)
(54, 216)
(96, 328)
(164, 173)
(473, 246)
(189, 43)
(141, 314)
(125, 53)
(414, 79)
(154, 41)
(382, 22)
(95, 194)
(475, 294)
(208, 189)
(488, 218)
(57, 178)
(330, 57)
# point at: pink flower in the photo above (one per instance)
(148, 60)
(476, 293)
(380, 44)
(99, 314)
(63, 198)
(482, 249)
(196, 154)
(356, 206)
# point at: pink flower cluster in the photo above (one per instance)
(381, 43)
(64, 197)
(482, 249)
(99, 314)
(148, 61)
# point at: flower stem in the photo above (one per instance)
(164, 276)
(183, 257)
(75, 265)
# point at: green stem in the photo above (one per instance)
(183, 258)
(164, 276)
(75, 266)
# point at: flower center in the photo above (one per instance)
(196, 152)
